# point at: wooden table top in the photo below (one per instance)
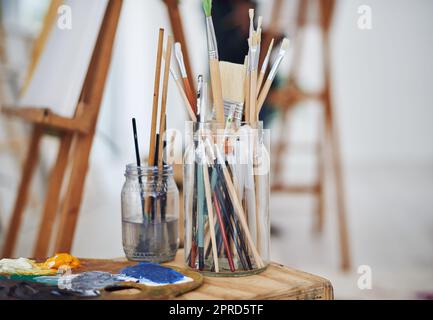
(277, 282)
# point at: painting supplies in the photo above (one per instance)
(138, 160)
(265, 65)
(252, 70)
(162, 119)
(272, 74)
(23, 266)
(156, 240)
(155, 98)
(213, 63)
(224, 201)
(153, 274)
(189, 106)
(60, 260)
(233, 78)
(238, 209)
(181, 64)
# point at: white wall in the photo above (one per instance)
(384, 81)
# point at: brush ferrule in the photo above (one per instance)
(211, 39)
(275, 67)
(254, 59)
(265, 64)
(233, 110)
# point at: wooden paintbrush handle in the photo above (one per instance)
(190, 95)
(186, 101)
(210, 215)
(215, 77)
(263, 95)
(247, 98)
(241, 215)
(253, 97)
(259, 83)
(155, 98)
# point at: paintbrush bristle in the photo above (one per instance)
(207, 7)
(233, 80)
(255, 39)
(285, 44)
(259, 22)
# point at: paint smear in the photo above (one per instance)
(153, 274)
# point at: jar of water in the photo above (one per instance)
(150, 214)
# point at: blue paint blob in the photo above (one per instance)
(153, 272)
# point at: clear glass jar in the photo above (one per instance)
(150, 214)
(226, 199)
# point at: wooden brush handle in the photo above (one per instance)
(215, 77)
(186, 101)
(190, 95)
(155, 98)
(263, 95)
(253, 97)
(162, 115)
(210, 215)
(247, 98)
(241, 215)
(260, 82)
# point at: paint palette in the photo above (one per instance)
(105, 279)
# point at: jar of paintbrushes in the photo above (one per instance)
(150, 213)
(226, 198)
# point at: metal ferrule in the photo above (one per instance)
(234, 111)
(199, 96)
(275, 66)
(253, 62)
(211, 39)
(265, 64)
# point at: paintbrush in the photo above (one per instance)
(138, 160)
(162, 115)
(252, 70)
(155, 98)
(264, 66)
(200, 183)
(215, 76)
(238, 209)
(181, 63)
(189, 107)
(271, 76)
(152, 149)
(233, 79)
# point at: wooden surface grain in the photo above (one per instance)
(277, 282)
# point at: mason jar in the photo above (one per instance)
(150, 214)
(226, 198)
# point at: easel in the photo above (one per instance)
(76, 137)
(179, 35)
(289, 96)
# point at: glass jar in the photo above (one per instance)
(226, 199)
(150, 214)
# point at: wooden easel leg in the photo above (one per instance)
(320, 193)
(52, 198)
(282, 145)
(332, 133)
(72, 201)
(23, 190)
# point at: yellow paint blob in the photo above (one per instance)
(61, 260)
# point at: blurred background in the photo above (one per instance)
(380, 73)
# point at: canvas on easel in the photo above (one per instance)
(63, 99)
